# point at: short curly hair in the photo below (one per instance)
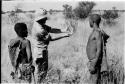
(96, 18)
(20, 28)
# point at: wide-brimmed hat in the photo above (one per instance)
(40, 14)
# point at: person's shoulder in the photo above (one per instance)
(98, 33)
(13, 40)
(105, 36)
(27, 42)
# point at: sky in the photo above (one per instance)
(57, 4)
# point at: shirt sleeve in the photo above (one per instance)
(48, 28)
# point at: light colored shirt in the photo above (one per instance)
(40, 40)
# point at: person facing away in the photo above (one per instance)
(96, 49)
(25, 55)
(41, 38)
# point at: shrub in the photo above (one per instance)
(68, 13)
(110, 15)
(50, 11)
(83, 9)
(13, 17)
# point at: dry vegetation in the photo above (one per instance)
(67, 57)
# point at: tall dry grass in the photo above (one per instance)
(67, 57)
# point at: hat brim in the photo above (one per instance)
(41, 18)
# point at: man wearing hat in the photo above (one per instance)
(96, 49)
(41, 39)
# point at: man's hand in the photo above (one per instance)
(68, 35)
(63, 35)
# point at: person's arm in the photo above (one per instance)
(28, 51)
(59, 37)
(57, 31)
(99, 45)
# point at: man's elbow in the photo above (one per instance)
(51, 39)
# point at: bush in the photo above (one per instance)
(13, 17)
(83, 9)
(68, 13)
(109, 16)
(50, 11)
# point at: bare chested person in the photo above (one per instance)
(96, 49)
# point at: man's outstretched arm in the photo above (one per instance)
(54, 30)
(57, 31)
(59, 37)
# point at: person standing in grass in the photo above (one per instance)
(96, 49)
(41, 38)
(20, 54)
